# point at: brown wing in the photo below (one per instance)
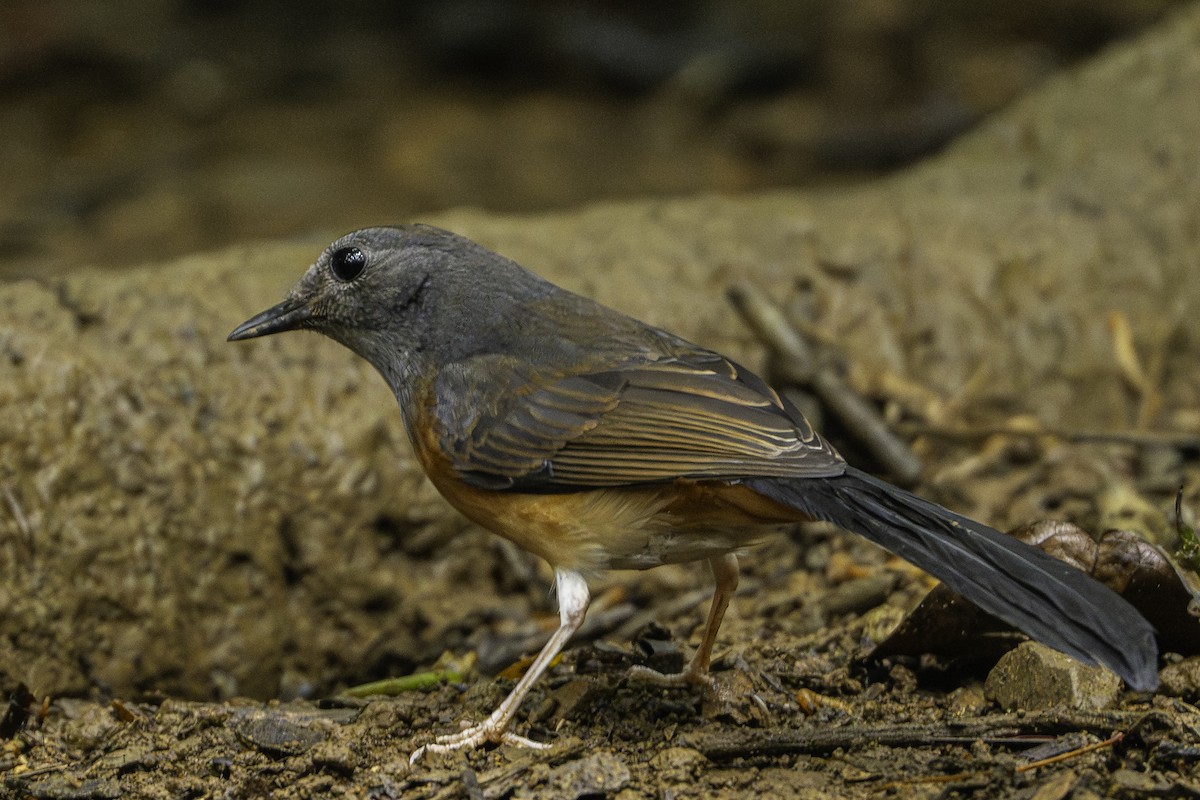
(699, 416)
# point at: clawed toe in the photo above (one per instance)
(688, 677)
(472, 737)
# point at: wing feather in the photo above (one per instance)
(692, 416)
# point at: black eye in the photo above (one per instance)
(348, 263)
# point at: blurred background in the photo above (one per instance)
(136, 130)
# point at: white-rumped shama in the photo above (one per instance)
(599, 442)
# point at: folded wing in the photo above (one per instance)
(695, 416)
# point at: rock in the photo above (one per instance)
(1056, 787)
(92, 727)
(275, 734)
(674, 767)
(570, 695)
(1129, 783)
(969, 699)
(597, 775)
(70, 787)
(858, 595)
(1182, 679)
(334, 755)
(1033, 677)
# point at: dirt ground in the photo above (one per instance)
(796, 712)
(206, 546)
(794, 718)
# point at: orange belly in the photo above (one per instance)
(629, 527)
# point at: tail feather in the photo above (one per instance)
(1050, 601)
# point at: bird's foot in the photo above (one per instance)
(490, 731)
(690, 676)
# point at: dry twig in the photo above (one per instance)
(802, 367)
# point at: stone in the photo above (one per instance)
(1033, 677)
(597, 775)
(1182, 679)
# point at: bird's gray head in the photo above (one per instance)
(404, 298)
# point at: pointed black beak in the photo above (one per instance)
(287, 316)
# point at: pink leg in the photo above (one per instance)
(725, 574)
(573, 599)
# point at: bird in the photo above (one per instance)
(597, 442)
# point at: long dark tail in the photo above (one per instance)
(1050, 601)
